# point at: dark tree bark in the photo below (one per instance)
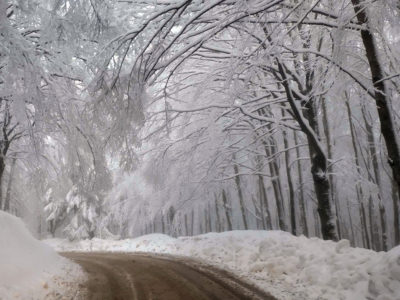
(319, 163)
(302, 202)
(2, 168)
(270, 150)
(290, 182)
(396, 213)
(330, 168)
(382, 100)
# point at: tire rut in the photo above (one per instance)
(121, 276)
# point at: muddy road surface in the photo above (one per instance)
(118, 276)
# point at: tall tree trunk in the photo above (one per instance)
(319, 163)
(240, 194)
(265, 212)
(352, 236)
(396, 213)
(373, 226)
(200, 224)
(7, 200)
(373, 155)
(290, 182)
(186, 225)
(218, 219)
(209, 216)
(265, 209)
(227, 210)
(359, 191)
(2, 167)
(192, 223)
(388, 128)
(302, 202)
(319, 171)
(275, 181)
(317, 223)
(162, 224)
(206, 228)
(270, 151)
(364, 225)
(330, 167)
(257, 214)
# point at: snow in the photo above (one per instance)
(30, 269)
(288, 267)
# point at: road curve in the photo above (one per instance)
(120, 276)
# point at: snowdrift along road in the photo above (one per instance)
(30, 269)
(286, 266)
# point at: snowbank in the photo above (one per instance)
(288, 267)
(30, 269)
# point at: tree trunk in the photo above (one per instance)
(330, 167)
(396, 213)
(302, 202)
(319, 163)
(192, 223)
(267, 222)
(200, 222)
(186, 226)
(227, 210)
(218, 219)
(359, 191)
(209, 216)
(373, 156)
(162, 224)
(364, 226)
(258, 214)
(319, 171)
(352, 237)
(7, 200)
(381, 93)
(240, 194)
(2, 167)
(275, 181)
(290, 182)
(206, 228)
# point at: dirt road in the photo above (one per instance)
(139, 276)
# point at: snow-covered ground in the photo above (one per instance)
(30, 269)
(286, 266)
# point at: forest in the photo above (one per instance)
(120, 118)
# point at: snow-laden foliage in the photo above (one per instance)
(223, 124)
(194, 116)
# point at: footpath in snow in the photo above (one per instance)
(30, 269)
(288, 267)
